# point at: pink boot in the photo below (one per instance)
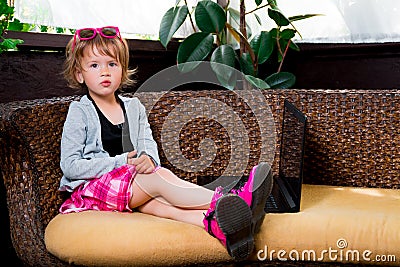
(256, 191)
(229, 220)
(210, 225)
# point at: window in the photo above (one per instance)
(342, 21)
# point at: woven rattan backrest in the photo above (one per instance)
(220, 125)
(353, 136)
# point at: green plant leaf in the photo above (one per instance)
(6, 10)
(195, 48)
(246, 65)
(288, 34)
(210, 17)
(281, 80)
(257, 82)
(170, 23)
(278, 17)
(263, 46)
(224, 54)
(27, 27)
(258, 2)
(222, 63)
(60, 30)
(274, 33)
(258, 19)
(283, 38)
(8, 44)
(15, 25)
(273, 3)
(294, 46)
(301, 17)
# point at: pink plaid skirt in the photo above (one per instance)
(110, 192)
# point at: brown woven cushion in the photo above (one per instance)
(365, 219)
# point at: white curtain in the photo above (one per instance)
(347, 21)
(131, 16)
(342, 21)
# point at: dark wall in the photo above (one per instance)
(34, 71)
(344, 66)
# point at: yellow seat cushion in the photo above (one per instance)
(100, 238)
(344, 220)
(364, 219)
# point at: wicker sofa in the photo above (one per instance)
(350, 194)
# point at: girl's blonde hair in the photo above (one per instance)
(113, 47)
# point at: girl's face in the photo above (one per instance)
(101, 73)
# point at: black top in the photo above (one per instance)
(111, 134)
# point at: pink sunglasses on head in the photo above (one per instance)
(89, 33)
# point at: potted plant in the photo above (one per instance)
(7, 22)
(213, 27)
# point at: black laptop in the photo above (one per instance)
(286, 191)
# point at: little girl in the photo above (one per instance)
(102, 174)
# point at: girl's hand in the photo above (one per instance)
(143, 164)
(132, 154)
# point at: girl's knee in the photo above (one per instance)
(162, 170)
(166, 174)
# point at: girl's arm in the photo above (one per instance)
(139, 125)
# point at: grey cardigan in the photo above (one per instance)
(82, 153)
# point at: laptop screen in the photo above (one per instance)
(292, 149)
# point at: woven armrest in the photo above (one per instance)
(30, 137)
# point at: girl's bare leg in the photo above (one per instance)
(173, 190)
(159, 208)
